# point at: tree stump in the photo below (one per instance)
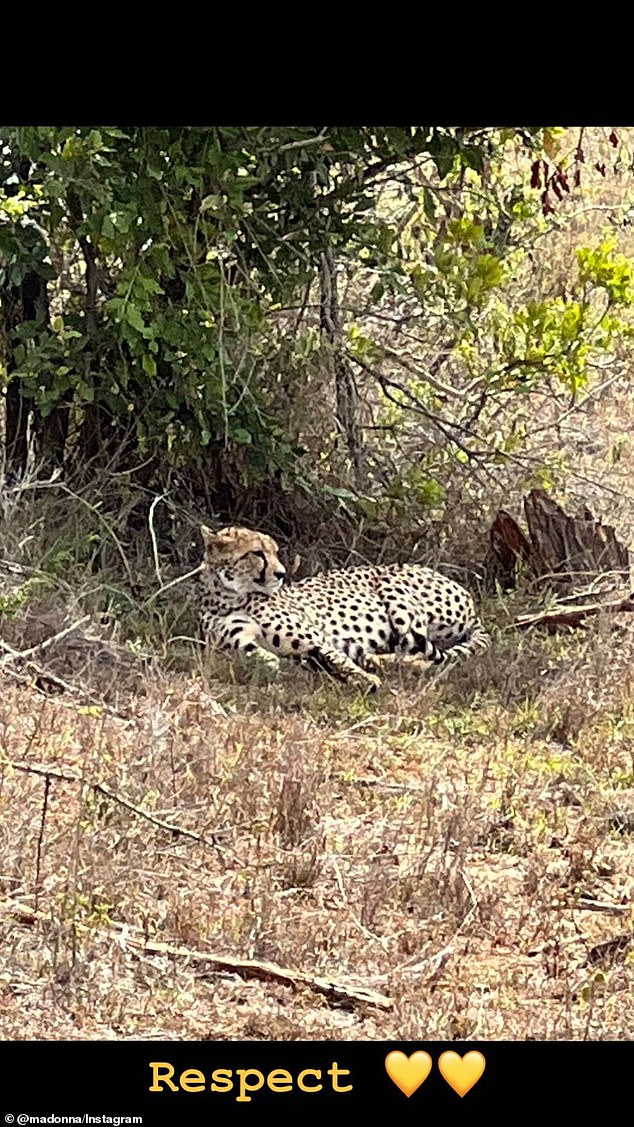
(569, 552)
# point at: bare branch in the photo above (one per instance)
(150, 521)
(15, 655)
(101, 788)
(291, 145)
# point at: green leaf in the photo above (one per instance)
(429, 204)
(242, 436)
(86, 392)
(133, 317)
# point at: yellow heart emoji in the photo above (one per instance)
(461, 1073)
(408, 1073)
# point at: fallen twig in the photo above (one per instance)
(602, 906)
(43, 675)
(573, 616)
(14, 655)
(267, 972)
(19, 657)
(78, 694)
(610, 951)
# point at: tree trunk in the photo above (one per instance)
(16, 432)
(16, 410)
(50, 431)
(345, 387)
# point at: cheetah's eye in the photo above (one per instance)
(256, 552)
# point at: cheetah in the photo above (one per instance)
(347, 622)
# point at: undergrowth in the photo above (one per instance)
(460, 849)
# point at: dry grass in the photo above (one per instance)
(464, 849)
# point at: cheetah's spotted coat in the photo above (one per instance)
(346, 622)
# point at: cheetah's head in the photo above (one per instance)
(244, 561)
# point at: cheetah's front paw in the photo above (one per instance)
(367, 681)
(265, 663)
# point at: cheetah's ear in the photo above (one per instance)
(211, 540)
(222, 543)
